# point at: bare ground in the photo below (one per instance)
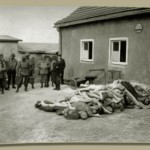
(21, 122)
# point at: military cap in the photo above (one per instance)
(13, 54)
(58, 53)
(24, 56)
(43, 55)
(27, 54)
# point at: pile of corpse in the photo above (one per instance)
(94, 100)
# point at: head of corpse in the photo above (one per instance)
(118, 93)
(114, 84)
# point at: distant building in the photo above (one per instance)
(107, 37)
(38, 48)
(8, 45)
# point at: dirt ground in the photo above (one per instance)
(21, 122)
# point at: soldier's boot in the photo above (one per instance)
(2, 91)
(45, 85)
(55, 88)
(58, 87)
(13, 87)
(32, 86)
(7, 88)
(26, 88)
(17, 89)
(41, 85)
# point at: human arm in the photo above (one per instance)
(18, 69)
(64, 64)
(84, 89)
(16, 63)
(39, 65)
(3, 66)
(94, 95)
(48, 65)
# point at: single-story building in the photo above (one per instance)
(9, 45)
(113, 38)
(38, 48)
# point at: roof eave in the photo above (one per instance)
(37, 52)
(7, 40)
(100, 18)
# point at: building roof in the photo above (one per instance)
(38, 48)
(89, 14)
(6, 38)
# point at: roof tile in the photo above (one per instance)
(89, 14)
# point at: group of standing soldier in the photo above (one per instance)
(49, 67)
(10, 69)
(7, 71)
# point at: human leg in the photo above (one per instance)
(62, 76)
(41, 80)
(19, 83)
(52, 78)
(58, 82)
(2, 85)
(48, 79)
(9, 78)
(13, 74)
(55, 81)
(26, 80)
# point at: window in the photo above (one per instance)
(86, 50)
(118, 51)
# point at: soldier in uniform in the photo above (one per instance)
(31, 69)
(6, 60)
(48, 58)
(62, 68)
(53, 60)
(11, 71)
(23, 73)
(43, 70)
(2, 73)
(56, 74)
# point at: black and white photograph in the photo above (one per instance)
(74, 74)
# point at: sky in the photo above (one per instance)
(32, 24)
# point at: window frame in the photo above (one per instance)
(81, 51)
(118, 39)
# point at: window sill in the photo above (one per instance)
(118, 63)
(86, 61)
